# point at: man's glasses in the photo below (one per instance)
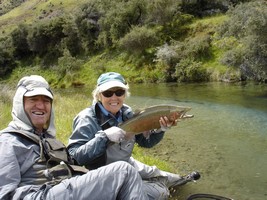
(109, 93)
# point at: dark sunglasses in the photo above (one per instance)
(109, 93)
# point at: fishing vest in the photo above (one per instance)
(54, 164)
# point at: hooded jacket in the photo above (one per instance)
(89, 145)
(21, 163)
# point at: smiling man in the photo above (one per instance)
(38, 109)
(36, 166)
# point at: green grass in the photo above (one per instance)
(66, 108)
(209, 21)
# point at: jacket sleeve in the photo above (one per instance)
(150, 141)
(14, 158)
(10, 171)
(87, 141)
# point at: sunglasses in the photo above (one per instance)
(110, 93)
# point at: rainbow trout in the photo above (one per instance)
(148, 118)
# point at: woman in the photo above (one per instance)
(97, 140)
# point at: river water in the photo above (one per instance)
(226, 141)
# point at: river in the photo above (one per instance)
(226, 141)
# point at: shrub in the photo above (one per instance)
(247, 23)
(20, 43)
(7, 61)
(138, 39)
(188, 70)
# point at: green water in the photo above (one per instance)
(226, 141)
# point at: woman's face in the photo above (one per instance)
(112, 99)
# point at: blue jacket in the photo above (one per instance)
(89, 145)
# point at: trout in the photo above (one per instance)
(148, 118)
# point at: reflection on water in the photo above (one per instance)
(226, 140)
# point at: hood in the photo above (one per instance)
(20, 120)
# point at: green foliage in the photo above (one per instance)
(182, 60)
(190, 71)
(7, 61)
(45, 38)
(72, 41)
(247, 24)
(138, 40)
(118, 21)
(87, 26)
(68, 68)
(161, 12)
(155, 38)
(20, 42)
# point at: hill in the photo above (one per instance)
(32, 11)
(146, 41)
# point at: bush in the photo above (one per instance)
(86, 21)
(7, 61)
(45, 39)
(138, 39)
(247, 23)
(20, 43)
(190, 71)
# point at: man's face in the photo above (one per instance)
(38, 108)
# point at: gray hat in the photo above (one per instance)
(35, 85)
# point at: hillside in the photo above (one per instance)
(32, 11)
(146, 41)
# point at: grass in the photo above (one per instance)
(66, 108)
(30, 11)
(209, 21)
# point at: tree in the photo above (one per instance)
(45, 40)
(7, 61)
(20, 43)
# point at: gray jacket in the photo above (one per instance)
(89, 142)
(20, 164)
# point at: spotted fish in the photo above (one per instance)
(148, 118)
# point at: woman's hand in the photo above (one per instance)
(166, 123)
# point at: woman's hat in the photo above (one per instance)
(109, 80)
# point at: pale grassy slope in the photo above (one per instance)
(31, 11)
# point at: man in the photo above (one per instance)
(97, 140)
(34, 165)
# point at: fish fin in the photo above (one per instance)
(137, 111)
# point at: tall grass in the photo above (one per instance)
(6, 96)
(66, 108)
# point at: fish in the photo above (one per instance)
(148, 118)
